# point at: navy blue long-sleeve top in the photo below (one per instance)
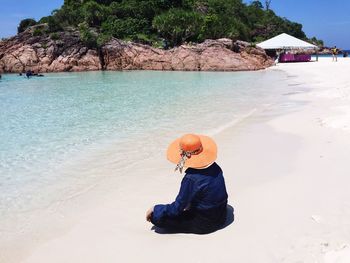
(201, 190)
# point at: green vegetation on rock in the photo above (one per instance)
(25, 23)
(167, 23)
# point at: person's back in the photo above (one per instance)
(210, 187)
(211, 196)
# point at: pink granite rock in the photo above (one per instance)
(41, 53)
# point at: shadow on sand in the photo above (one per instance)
(230, 217)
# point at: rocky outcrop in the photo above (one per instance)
(66, 52)
(24, 52)
(211, 55)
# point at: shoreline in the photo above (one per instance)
(104, 150)
(270, 159)
(143, 70)
(60, 211)
(106, 193)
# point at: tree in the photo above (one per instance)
(88, 36)
(69, 14)
(267, 4)
(123, 28)
(52, 22)
(257, 4)
(226, 18)
(177, 21)
(316, 42)
(178, 26)
(94, 14)
(25, 23)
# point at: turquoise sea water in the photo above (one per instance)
(52, 126)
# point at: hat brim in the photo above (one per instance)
(204, 158)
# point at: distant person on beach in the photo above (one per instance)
(335, 54)
(29, 73)
(201, 205)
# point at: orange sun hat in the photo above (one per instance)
(191, 150)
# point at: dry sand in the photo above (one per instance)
(288, 177)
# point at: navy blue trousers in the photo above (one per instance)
(193, 222)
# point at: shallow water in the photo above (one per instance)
(52, 126)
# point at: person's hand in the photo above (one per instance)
(149, 214)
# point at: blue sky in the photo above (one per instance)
(13, 11)
(327, 20)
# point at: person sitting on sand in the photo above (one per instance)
(201, 205)
(335, 54)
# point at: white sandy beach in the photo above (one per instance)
(287, 173)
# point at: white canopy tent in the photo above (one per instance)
(285, 41)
